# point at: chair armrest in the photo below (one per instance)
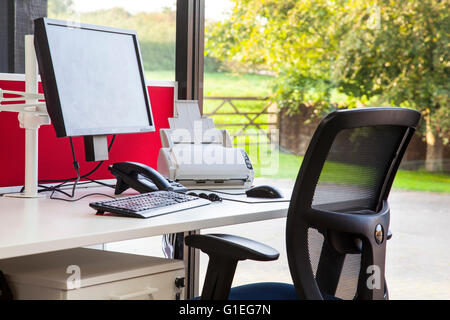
(234, 247)
(224, 252)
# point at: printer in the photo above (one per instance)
(200, 156)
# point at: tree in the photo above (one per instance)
(294, 40)
(57, 8)
(404, 61)
(373, 52)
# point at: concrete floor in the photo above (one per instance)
(418, 256)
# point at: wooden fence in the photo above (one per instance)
(250, 119)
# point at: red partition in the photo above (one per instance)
(55, 157)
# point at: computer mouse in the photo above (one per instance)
(264, 192)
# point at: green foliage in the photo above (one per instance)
(156, 31)
(403, 59)
(295, 40)
(158, 55)
(59, 7)
(365, 52)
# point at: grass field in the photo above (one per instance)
(226, 84)
(231, 85)
(289, 165)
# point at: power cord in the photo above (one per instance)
(85, 175)
(76, 181)
(76, 166)
(90, 181)
(83, 197)
(214, 197)
(221, 192)
(258, 202)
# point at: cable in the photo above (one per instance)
(53, 189)
(221, 192)
(85, 175)
(259, 202)
(81, 198)
(234, 200)
(58, 189)
(76, 180)
(112, 186)
(76, 166)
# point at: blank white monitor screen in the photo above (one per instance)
(98, 79)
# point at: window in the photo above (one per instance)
(154, 21)
(313, 57)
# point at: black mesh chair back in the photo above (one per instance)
(338, 218)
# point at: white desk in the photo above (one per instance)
(30, 226)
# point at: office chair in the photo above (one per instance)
(338, 219)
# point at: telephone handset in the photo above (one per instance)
(141, 178)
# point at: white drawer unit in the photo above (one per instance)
(89, 274)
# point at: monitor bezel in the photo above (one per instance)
(50, 86)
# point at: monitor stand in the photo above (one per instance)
(96, 148)
(32, 115)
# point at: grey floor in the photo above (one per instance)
(418, 256)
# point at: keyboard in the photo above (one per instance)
(149, 205)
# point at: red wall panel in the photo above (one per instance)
(55, 158)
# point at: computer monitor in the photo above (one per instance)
(93, 81)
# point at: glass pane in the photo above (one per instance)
(313, 57)
(239, 101)
(238, 97)
(154, 21)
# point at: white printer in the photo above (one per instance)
(197, 155)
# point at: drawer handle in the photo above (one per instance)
(129, 296)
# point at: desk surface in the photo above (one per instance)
(30, 226)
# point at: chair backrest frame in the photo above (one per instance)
(302, 215)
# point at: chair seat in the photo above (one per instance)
(264, 291)
(267, 291)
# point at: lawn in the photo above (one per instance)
(222, 84)
(289, 165)
(422, 181)
(232, 85)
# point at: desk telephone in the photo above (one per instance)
(141, 178)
